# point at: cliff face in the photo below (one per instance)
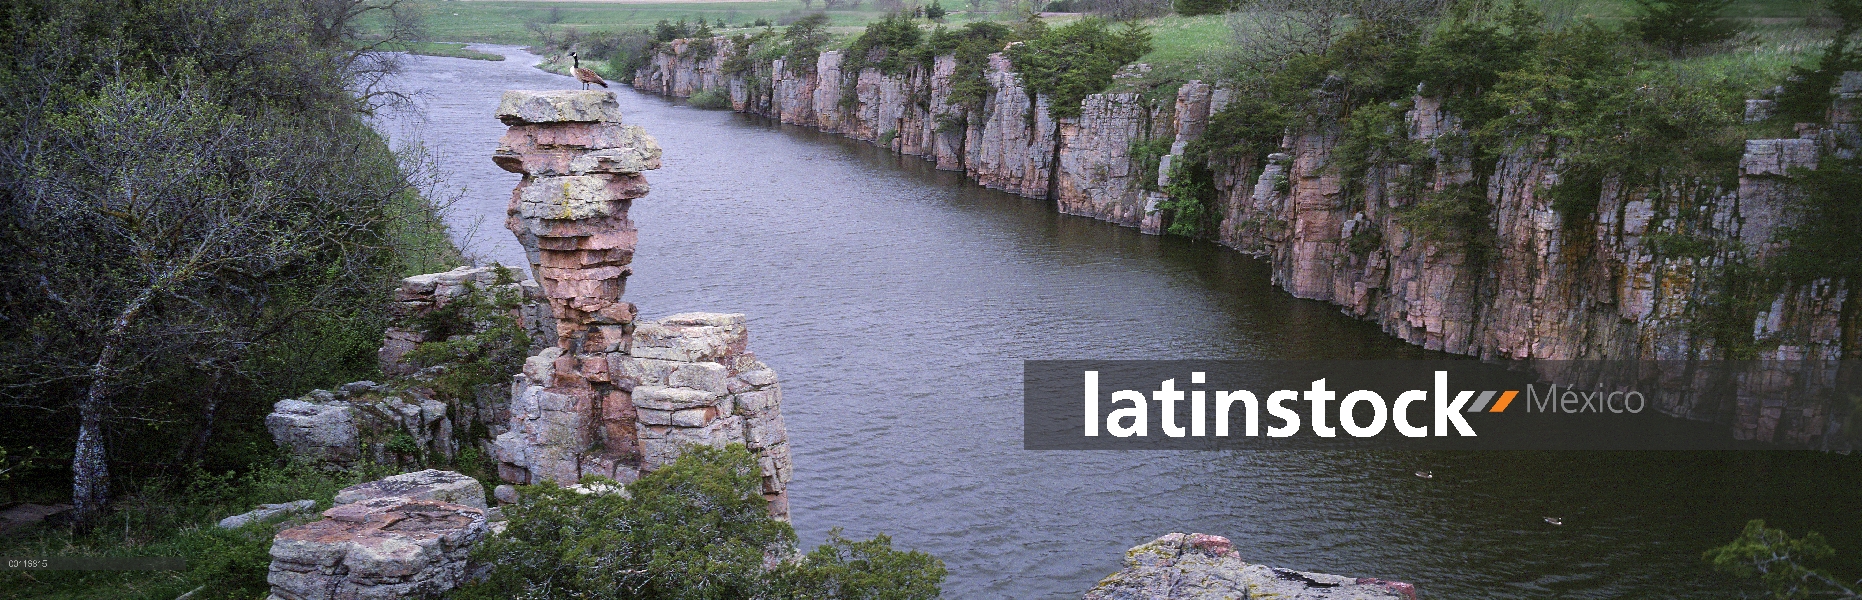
(1542, 289)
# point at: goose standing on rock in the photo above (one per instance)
(584, 75)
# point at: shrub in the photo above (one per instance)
(710, 98)
(887, 45)
(1679, 25)
(1781, 563)
(1072, 62)
(805, 37)
(935, 11)
(1190, 8)
(698, 528)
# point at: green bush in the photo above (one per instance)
(971, 47)
(805, 38)
(887, 45)
(1069, 63)
(710, 98)
(696, 529)
(1190, 8)
(1781, 563)
(1680, 25)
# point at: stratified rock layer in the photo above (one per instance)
(379, 548)
(1196, 566)
(615, 398)
(1545, 290)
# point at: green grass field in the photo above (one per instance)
(1183, 47)
(512, 22)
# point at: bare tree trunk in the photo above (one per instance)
(204, 429)
(90, 471)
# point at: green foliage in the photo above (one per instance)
(632, 51)
(1191, 8)
(1679, 245)
(1069, 63)
(1147, 154)
(1806, 96)
(1458, 216)
(1250, 126)
(1191, 207)
(887, 45)
(1780, 563)
(696, 529)
(971, 46)
(216, 155)
(710, 98)
(806, 37)
(935, 11)
(1365, 240)
(866, 570)
(1823, 241)
(480, 341)
(1679, 25)
(175, 517)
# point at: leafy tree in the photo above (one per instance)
(1806, 94)
(1778, 561)
(806, 37)
(696, 529)
(1679, 25)
(867, 570)
(887, 45)
(185, 189)
(1077, 60)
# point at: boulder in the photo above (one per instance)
(1197, 566)
(337, 429)
(522, 107)
(266, 512)
(431, 484)
(390, 547)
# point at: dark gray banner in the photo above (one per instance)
(93, 563)
(1439, 405)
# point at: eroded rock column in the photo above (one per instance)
(613, 397)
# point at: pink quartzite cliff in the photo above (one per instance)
(615, 397)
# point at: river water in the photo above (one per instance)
(898, 302)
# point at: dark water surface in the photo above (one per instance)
(898, 301)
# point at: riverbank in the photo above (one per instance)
(1639, 276)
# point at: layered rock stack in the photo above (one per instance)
(614, 398)
(406, 536)
(1195, 566)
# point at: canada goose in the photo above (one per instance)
(1555, 520)
(1425, 475)
(584, 75)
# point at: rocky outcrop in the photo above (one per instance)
(430, 484)
(1541, 289)
(1196, 566)
(614, 397)
(408, 545)
(266, 512)
(363, 421)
